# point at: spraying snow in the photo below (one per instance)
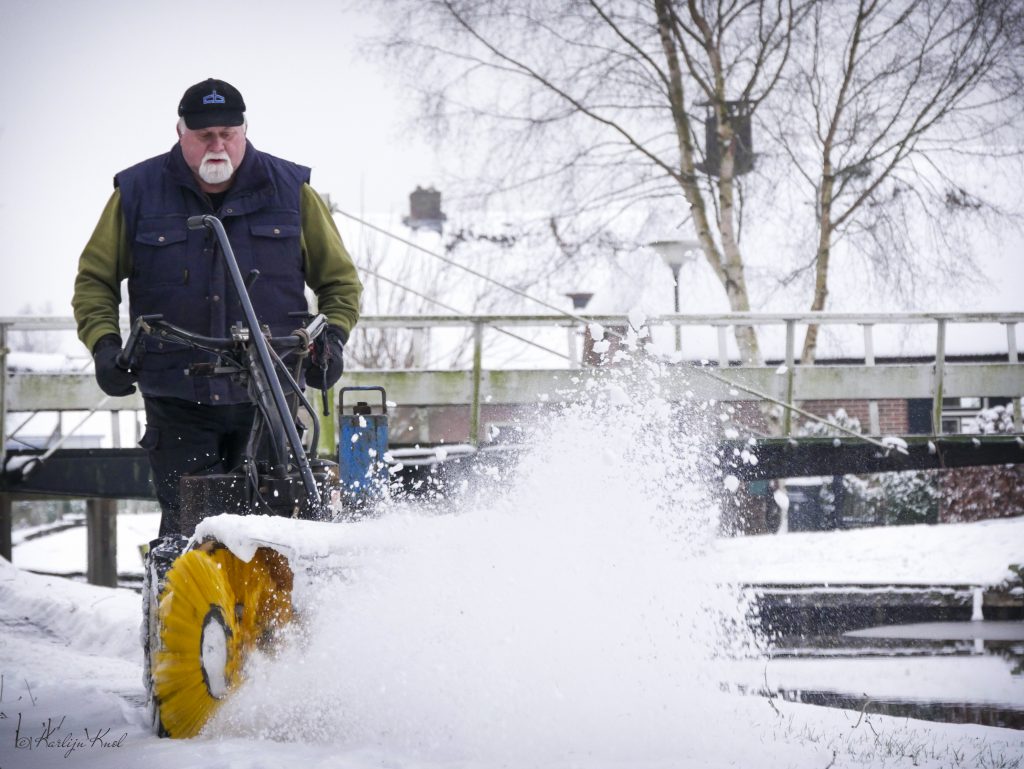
(567, 608)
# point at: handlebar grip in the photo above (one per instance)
(139, 327)
(197, 222)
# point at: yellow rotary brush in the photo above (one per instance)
(265, 597)
(214, 609)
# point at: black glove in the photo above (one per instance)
(325, 365)
(112, 379)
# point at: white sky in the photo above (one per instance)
(92, 86)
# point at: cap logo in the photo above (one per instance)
(213, 98)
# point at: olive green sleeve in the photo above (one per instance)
(104, 263)
(330, 271)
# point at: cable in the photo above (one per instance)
(451, 309)
(470, 270)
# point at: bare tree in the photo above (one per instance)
(586, 110)
(880, 97)
(583, 106)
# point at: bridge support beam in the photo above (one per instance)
(6, 522)
(101, 541)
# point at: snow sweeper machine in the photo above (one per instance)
(260, 534)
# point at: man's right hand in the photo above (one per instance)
(112, 379)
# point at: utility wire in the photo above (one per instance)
(703, 370)
(464, 268)
(451, 309)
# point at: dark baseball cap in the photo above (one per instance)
(212, 102)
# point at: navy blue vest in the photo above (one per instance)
(180, 273)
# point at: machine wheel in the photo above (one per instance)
(214, 609)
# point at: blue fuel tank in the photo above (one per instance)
(362, 442)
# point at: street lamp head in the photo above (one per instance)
(676, 253)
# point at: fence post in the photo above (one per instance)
(101, 541)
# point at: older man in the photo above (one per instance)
(277, 224)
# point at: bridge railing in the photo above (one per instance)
(928, 374)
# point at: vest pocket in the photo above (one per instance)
(275, 244)
(160, 253)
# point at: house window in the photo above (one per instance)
(959, 414)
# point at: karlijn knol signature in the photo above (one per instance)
(52, 736)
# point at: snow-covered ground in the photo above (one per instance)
(70, 660)
(578, 612)
(72, 697)
(65, 551)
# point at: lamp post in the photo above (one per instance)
(580, 300)
(675, 254)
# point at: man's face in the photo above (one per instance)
(213, 154)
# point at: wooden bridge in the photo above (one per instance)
(458, 406)
(465, 405)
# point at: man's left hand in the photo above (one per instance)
(326, 365)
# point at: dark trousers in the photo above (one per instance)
(186, 438)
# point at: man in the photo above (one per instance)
(276, 223)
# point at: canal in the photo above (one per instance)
(950, 671)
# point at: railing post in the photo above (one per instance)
(328, 431)
(101, 541)
(478, 357)
(869, 360)
(1011, 347)
(940, 367)
(787, 417)
(115, 429)
(574, 353)
(723, 347)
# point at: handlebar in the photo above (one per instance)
(146, 325)
(263, 364)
